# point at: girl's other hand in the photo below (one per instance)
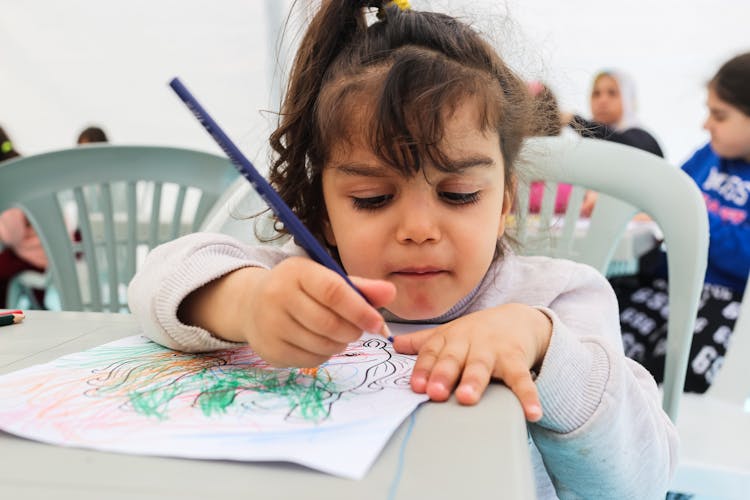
(504, 343)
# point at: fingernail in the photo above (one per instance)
(468, 390)
(440, 387)
(419, 381)
(535, 412)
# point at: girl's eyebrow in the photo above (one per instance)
(471, 162)
(459, 164)
(364, 170)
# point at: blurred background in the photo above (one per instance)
(67, 65)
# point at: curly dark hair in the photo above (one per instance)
(401, 73)
(731, 82)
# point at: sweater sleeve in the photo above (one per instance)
(603, 433)
(175, 269)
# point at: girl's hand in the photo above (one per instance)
(297, 314)
(504, 343)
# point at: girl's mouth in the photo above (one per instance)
(419, 272)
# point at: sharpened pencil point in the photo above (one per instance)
(387, 333)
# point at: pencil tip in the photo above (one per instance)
(387, 332)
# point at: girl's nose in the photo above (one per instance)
(418, 222)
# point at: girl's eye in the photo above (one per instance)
(460, 198)
(372, 202)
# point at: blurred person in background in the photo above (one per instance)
(20, 247)
(721, 169)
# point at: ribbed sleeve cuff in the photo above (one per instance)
(202, 267)
(572, 378)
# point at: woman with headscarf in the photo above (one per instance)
(613, 119)
(613, 114)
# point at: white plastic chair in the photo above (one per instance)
(92, 274)
(628, 181)
(715, 426)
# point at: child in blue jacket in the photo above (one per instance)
(721, 169)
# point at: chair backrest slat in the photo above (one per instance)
(132, 229)
(45, 211)
(177, 214)
(89, 251)
(570, 221)
(110, 245)
(153, 238)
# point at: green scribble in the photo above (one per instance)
(153, 403)
(152, 383)
(150, 379)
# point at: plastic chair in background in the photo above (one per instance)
(628, 181)
(166, 192)
(715, 426)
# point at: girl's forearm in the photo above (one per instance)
(217, 306)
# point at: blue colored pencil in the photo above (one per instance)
(291, 222)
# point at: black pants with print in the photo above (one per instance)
(644, 306)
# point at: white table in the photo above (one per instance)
(453, 452)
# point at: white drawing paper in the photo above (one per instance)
(135, 396)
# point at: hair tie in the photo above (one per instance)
(6, 147)
(401, 4)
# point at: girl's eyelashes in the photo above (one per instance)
(380, 201)
(371, 202)
(460, 198)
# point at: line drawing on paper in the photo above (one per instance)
(155, 382)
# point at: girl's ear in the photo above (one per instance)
(507, 206)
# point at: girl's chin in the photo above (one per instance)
(414, 313)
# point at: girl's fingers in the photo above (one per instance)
(447, 368)
(330, 290)
(314, 344)
(324, 322)
(379, 293)
(476, 376)
(427, 358)
(293, 356)
(515, 373)
(411, 343)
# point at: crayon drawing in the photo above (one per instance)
(135, 396)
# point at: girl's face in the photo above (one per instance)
(432, 235)
(729, 128)
(606, 101)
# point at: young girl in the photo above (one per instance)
(722, 171)
(396, 148)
